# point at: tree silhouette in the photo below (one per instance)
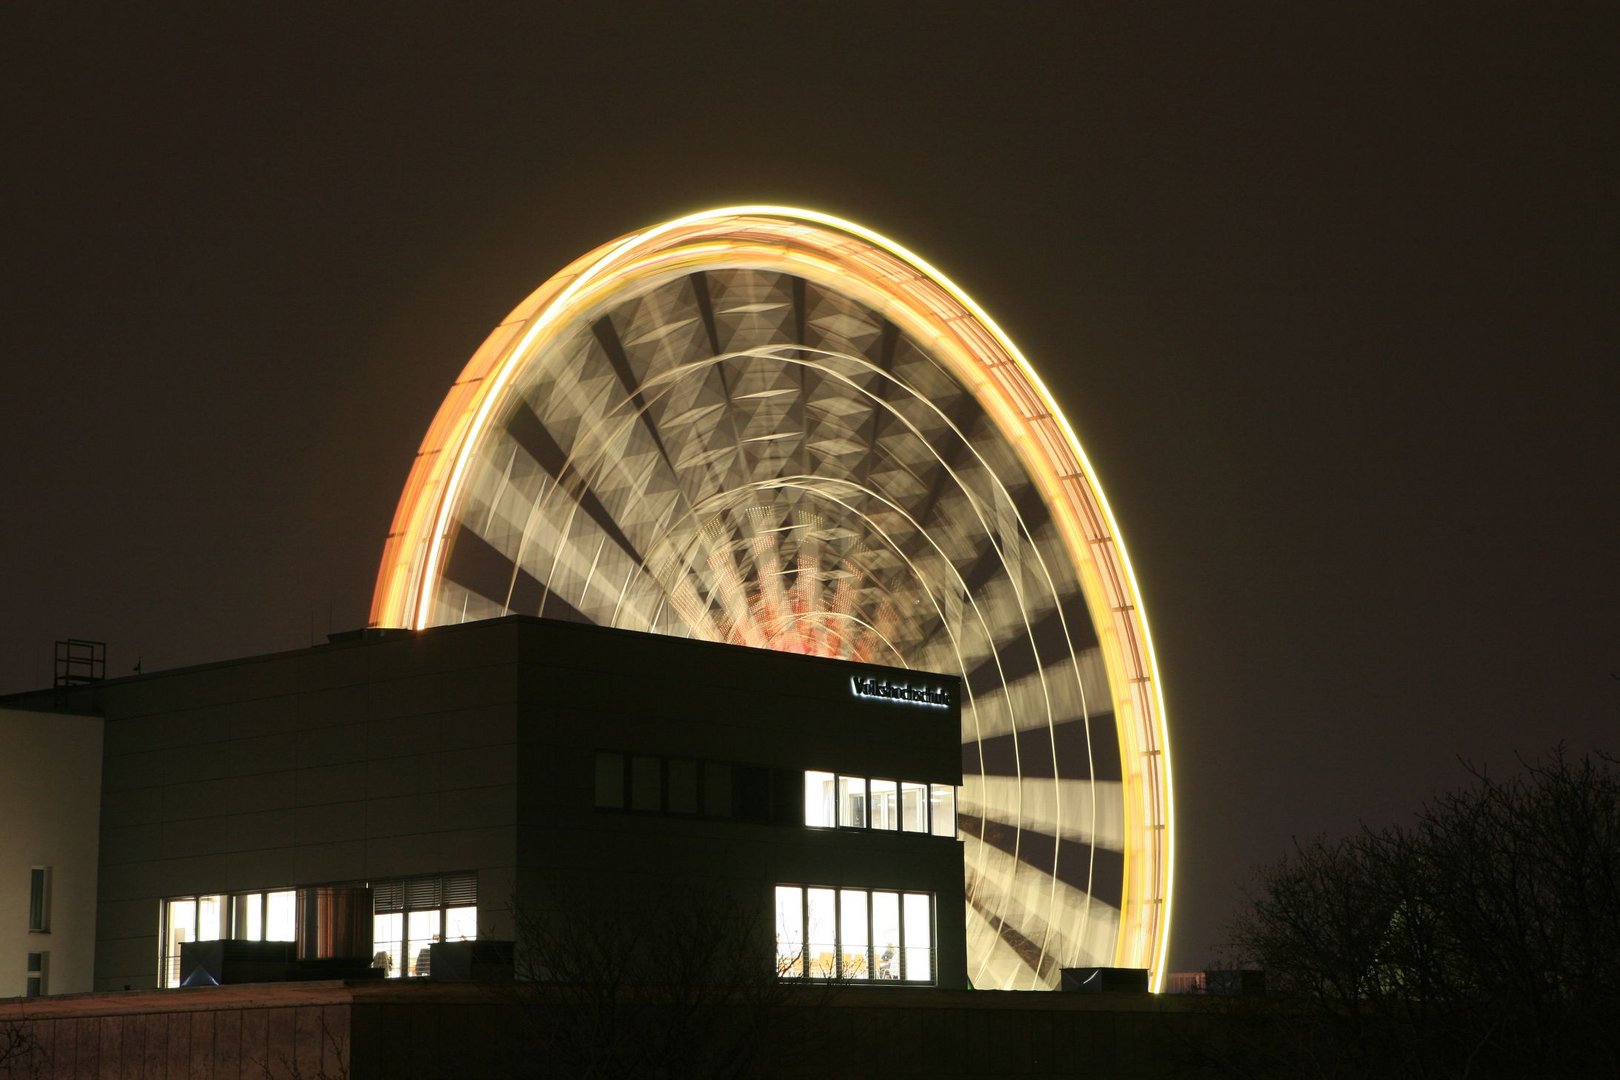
(1482, 940)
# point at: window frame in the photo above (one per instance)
(870, 962)
(39, 899)
(713, 798)
(453, 893)
(901, 818)
(235, 908)
(37, 981)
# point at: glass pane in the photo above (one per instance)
(919, 930)
(280, 917)
(885, 804)
(610, 781)
(422, 930)
(182, 928)
(913, 806)
(822, 947)
(886, 933)
(683, 786)
(942, 798)
(387, 938)
(210, 918)
(790, 931)
(820, 795)
(852, 802)
(853, 938)
(716, 789)
(646, 784)
(461, 924)
(36, 899)
(247, 916)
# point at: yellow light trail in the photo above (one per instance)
(903, 287)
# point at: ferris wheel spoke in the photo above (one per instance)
(1031, 751)
(1048, 928)
(772, 428)
(1084, 811)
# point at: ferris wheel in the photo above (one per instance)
(773, 427)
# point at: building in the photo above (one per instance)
(50, 801)
(474, 774)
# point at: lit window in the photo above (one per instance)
(885, 804)
(916, 924)
(256, 916)
(461, 924)
(422, 930)
(790, 931)
(39, 899)
(886, 934)
(180, 926)
(854, 943)
(209, 920)
(942, 809)
(852, 802)
(913, 806)
(856, 802)
(854, 934)
(281, 916)
(821, 933)
(820, 800)
(247, 916)
(387, 933)
(410, 915)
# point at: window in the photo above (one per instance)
(856, 802)
(256, 916)
(610, 780)
(716, 789)
(409, 916)
(852, 801)
(281, 916)
(820, 800)
(38, 962)
(914, 806)
(658, 785)
(39, 900)
(885, 804)
(646, 783)
(942, 809)
(683, 786)
(790, 951)
(880, 935)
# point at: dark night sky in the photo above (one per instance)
(1329, 295)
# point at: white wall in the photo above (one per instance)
(50, 815)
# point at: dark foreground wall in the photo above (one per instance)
(400, 1030)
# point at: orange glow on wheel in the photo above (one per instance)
(772, 427)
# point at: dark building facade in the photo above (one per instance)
(473, 774)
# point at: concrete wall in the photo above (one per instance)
(398, 1031)
(588, 689)
(241, 1033)
(351, 762)
(49, 802)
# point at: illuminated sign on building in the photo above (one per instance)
(904, 693)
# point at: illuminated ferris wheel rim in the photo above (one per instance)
(927, 306)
